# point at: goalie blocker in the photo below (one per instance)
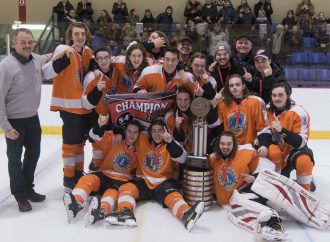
(294, 199)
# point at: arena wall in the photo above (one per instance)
(39, 11)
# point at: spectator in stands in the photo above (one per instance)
(277, 42)
(322, 39)
(104, 19)
(72, 17)
(62, 9)
(295, 40)
(185, 50)
(85, 12)
(133, 17)
(191, 30)
(305, 12)
(262, 19)
(178, 34)
(288, 22)
(245, 18)
(317, 22)
(193, 11)
(119, 11)
(128, 31)
(148, 21)
(227, 13)
(209, 12)
(243, 3)
(267, 7)
(165, 20)
(218, 34)
(115, 32)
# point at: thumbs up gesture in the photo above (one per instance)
(178, 120)
(276, 124)
(268, 71)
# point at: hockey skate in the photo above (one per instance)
(272, 229)
(123, 217)
(190, 217)
(71, 205)
(95, 212)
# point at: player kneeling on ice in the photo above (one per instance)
(157, 153)
(119, 165)
(234, 168)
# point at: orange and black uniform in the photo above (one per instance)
(68, 75)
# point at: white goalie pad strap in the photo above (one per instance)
(297, 201)
(246, 213)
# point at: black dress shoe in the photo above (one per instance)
(36, 197)
(24, 206)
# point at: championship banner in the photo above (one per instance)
(143, 108)
(22, 11)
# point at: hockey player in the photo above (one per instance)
(67, 67)
(290, 130)
(118, 167)
(166, 77)
(243, 114)
(201, 83)
(156, 154)
(235, 167)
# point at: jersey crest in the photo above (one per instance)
(227, 178)
(126, 82)
(153, 162)
(121, 162)
(236, 124)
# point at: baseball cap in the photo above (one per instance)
(222, 45)
(262, 53)
(185, 38)
(244, 36)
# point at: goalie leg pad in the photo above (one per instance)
(296, 201)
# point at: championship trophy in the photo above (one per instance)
(197, 175)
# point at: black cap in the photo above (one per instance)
(262, 53)
(244, 36)
(185, 38)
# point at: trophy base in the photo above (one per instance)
(199, 162)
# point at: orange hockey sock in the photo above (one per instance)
(175, 202)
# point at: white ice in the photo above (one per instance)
(47, 221)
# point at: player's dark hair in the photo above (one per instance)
(216, 147)
(288, 91)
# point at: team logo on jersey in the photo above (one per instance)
(278, 138)
(121, 162)
(236, 124)
(153, 162)
(228, 178)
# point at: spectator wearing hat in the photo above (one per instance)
(266, 74)
(243, 56)
(223, 66)
(185, 50)
(216, 35)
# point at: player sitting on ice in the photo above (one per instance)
(290, 130)
(157, 153)
(117, 168)
(234, 168)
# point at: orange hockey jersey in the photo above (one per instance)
(227, 174)
(120, 161)
(155, 164)
(296, 120)
(153, 79)
(246, 120)
(90, 82)
(68, 84)
(186, 127)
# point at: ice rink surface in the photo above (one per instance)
(48, 223)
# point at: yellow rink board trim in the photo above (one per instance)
(314, 134)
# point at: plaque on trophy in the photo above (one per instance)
(198, 159)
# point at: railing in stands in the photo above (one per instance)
(47, 37)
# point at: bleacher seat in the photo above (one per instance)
(291, 74)
(299, 58)
(309, 42)
(328, 58)
(317, 58)
(322, 74)
(306, 74)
